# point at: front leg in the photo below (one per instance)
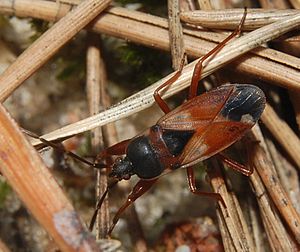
(117, 149)
(157, 97)
(139, 189)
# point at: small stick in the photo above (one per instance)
(295, 4)
(96, 82)
(265, 167)
(256, 227)
(133, 24)
(48, 44)
(287, 173)
(24, 170)
(283, 133)
(228, 19)
(175, 34)
(4, 247)
(274, 4)
(98, 98)
(205, 5)
(279, 239)
(144, 98)
(231, 215)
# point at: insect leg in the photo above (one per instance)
(161, 103)
(198, 67)
(117, 149)
(139, 189)
(236, 166)
(192, 185)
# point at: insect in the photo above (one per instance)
(198, 129)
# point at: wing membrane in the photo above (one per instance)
(240, 112)
(197, 113)
(220, 135)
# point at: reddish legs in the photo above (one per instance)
(197, 70)
(236, 166)
(198, 67)
(117, 149)
(192, 185)
(139, 189)
(161, 103)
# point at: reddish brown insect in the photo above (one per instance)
(198, 129)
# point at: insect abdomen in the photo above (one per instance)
(176, 140)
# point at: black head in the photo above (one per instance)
(122, 169)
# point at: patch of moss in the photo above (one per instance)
(5, 190)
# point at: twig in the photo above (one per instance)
(287, 173)
(3, 247)
(144, 98)
(131, 25)
(229, 18)
(205, 5)
(175, 34)
(274, 4)
(96, 79)
(264, 165)
(98, 99)
(283, 133)
(187, 5)
(26, 173)
(232, 215)
(279, 239)
(49, 43)
(295, 3)
(255, 226)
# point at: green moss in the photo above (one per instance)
(156, 7)
(4, 191)
(40, 26)
(135, 66)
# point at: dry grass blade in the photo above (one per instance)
(98, 99)
(295, 3)
(96, 79)
(265, 167)
(21, 165)
(255, 226)
(279, 239)
(144, 98)
(229, 18)
(131, 25)
(231, 217)
(283, 133)
(287, 172)
(205, 5)
(175, 33)
(3, 247)
(49, 43)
